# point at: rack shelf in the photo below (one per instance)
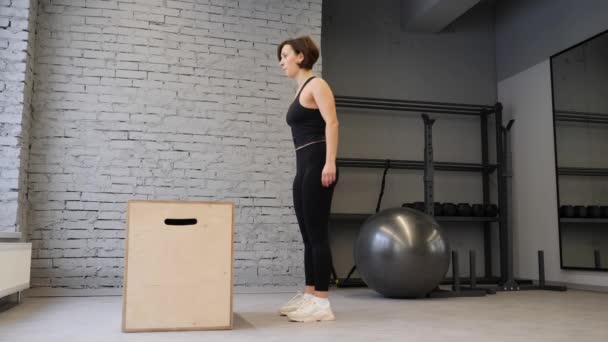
(466, 219)
(582, 220)
(344, 217)
(587, 117)
(413, 165)
(413, 106)
(582, 171)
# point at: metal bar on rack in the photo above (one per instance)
(541, 278)
(581, 114)
(501, 193)
(582, 171)
(541, 268)
(510, 282)
(455, 272)
(485, 157)
(592, 121)
(410, 106)
(585, 121)
(472, 275)
(428, 165)
(407, 108)
(357, 99)
(413, 165)
(576, 116)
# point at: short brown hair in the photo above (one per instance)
(306, 46)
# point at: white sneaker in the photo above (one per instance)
(311, 312)
(293, 304)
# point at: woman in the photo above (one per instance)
(314, 127)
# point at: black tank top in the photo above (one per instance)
(307, 124)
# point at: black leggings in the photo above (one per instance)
(312, 203)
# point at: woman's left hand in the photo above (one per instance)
(328, 176)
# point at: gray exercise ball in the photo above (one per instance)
(402, 253)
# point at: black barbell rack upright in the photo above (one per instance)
(429, 201)
(485, 184)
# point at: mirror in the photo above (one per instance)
(579, 79)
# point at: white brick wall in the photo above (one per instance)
(160, 99)
(16, 49)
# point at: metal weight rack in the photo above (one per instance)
(485, 168)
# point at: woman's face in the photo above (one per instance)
(289, 60)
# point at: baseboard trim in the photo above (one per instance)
(117, 291)
(103, 292)
(582, 287)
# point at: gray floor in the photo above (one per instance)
(361, 316)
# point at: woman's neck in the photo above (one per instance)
(302, 76)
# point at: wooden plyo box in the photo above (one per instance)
(178, 266)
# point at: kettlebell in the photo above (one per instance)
(580, 211)
(449, 209)
(604, 209)
(594, 211)
(491, 210)
(478, 210)
(419, 206)
(566, 211)
(464, 209)
(438, 209)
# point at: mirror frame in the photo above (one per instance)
(559, 224)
